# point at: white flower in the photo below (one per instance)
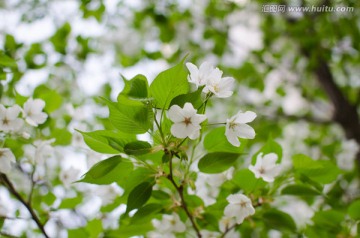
(212, 79)
(6, 158)
(345, 159)
(200, 76)
(44, 150)
(167, 226)
(220, 87)
(236, 127)
(67, 176)
(33, 111)
(3, 209)
(9, 120)
(239, 207)
(186, 121)
(266, 167)
(107, 194)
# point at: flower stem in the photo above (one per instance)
(180, 190)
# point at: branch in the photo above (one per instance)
(28, 206)
(180, 190)
(3, 234)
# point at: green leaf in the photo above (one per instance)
(137, 148)
(217, 162)
(246, 180)
(320, 171)
(139, 196)
(97, 141)
(276, 219)
(6, 61)
(129, 116)
(216, 141)
(136, 87)
(194, 98)
(70, 203)
(146, 213)
(328, 220)
(59, 39)
(169, 84)
(52, 98)
(62, 136)
(108, 171)
(78, 233)
(130, 231)
(354, 210)
(94, 228)
(299, 190)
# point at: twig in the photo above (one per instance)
(28, 206)
(180, 190)
(3, 234)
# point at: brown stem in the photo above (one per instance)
(180, 190)
(28, 206)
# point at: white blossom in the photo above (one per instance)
(345, 159)
(220, 87)
(3, 209)
(199, 76)
(211, 77)
(186, 121)
(68, 176)
(33, 111)
(6, 158)
(266, 167)
(169, 225)
(9, 120)
(239, 207)
(236, 127)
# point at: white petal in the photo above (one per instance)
(224, 94)
(39, 118)
(38, 105)
(270, 159)
(198, 118)
(189, 110)
(245, 117)
(232, 210)
(179, 130)
(245, 131)
(30, 121)
(195, 135)
(13, 112)
(231, 137)
(175, 113)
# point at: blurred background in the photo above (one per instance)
(297, 67)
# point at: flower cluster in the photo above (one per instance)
(210, 77)
(32, 113)
(10, 122)
(187, 121)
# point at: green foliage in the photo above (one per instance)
(320, 171)
(279, 220)
(215, 141)
(217, 162)
(246, 181)
(354, 210)
(104, 141)
(108, 171)
(137, 148)
(169, 84)
(129, 116)
(136, 88)
(139, 196)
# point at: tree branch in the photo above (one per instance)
(28, 206)
(180, 190)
